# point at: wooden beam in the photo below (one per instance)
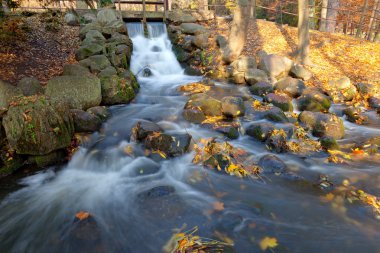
(139, 2)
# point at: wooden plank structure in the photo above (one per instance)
(144, 14)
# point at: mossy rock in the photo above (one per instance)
(117, 90)
(7, 92)
(37, 126)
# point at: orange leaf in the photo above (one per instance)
(82, 215)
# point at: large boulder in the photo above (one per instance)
(244, 63)
(118, 90)
(341, 89)
(323, 124)
(253, 76)
(80, 92)
(7, 92)
(94, 36)
(291, 86)
(143, 128)
(300, 72)
(274, 65)
(233, 106)
(192, 28)
(106, 16)
(88, 50)
(30, 86)
(208, 105)
(178, 17)
(201, 40)
(75, 70)
(194, 115)
(313, 100)
(117, 26)
(37, 126)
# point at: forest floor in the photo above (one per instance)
(37, 45)
(332, 55)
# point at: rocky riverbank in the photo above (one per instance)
(38, 123)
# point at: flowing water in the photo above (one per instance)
(135, 201)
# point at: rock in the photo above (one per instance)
(36, 126)
(30, 86)
(274, 65)
(117, 26)
(75, 70)
(300, 72)
(373, 102)
(238, 77)
(313, 100)
(182, 55)
(228, 128)
(106, 16)
(143, 128)
(209, 106)
(282, 101)
(221, 41)
(50, 159)
(355, 115)
(192, 28)
(84, 121)
(107, 72)
(192, 71)
(146, 72)
(367, 89)
(172, 145)
(244, 63)
(290, 86)
(194, 115)
(329, 143)
(272, 164)
(94, 37)
(203, 15)
(80, 92)
(92, 26)
(277, 141)
(88, 50)
(261, 88)
(323, 124)
(180, 17)
(341, 89)
(9, 166)
(117, 90)
(96, 63)
(201, 41)
(260, 131)
(89, 17)
(101, 112)
(71, 19)
(233, 106)
(157, 192)
(275, 114)
(7, 92)
(254, 76)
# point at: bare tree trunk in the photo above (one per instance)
(359, 28)
(238, 32)
(253, 9)
(203, 4)
(377, 37)
(312, 14)
(322, 25)
(332, 15)
(303, 33)
(372, 24)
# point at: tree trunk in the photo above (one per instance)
(372, 24)
(322, 25)
(253, 9)
(312, 14)
(203, 4)
(303, 32)
(332, 15)
(377, 37)
(238, 32)
(359, 28)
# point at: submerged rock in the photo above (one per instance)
(36, 126)
(323, 124)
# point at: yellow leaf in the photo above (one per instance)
(268, 242)
(218, 206)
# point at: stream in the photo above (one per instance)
(135, 202)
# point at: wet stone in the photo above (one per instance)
(282, 101)
(172, 145)
(272, 164)
(157, 192)
(144, 128)
(233, 106)
(194, 115)
(290, 86)
(84, 121)
(260, 131)
(355, 115)
(313, 100)
(329, 143)
(277, 142)
(275, 114)
(261, 88)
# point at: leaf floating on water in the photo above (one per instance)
(218, 206)
(82, 215)
(268, 243)
(161, 153)
(358, 151)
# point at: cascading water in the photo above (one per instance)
(135, 201)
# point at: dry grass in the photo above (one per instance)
(333, 55)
